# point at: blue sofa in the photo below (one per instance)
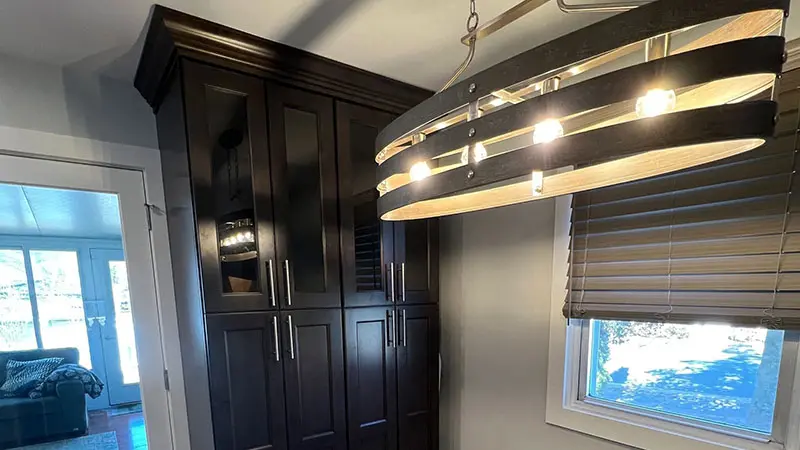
(24, 421)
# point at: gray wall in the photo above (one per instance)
(69, 101)
(496, 268)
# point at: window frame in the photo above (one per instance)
(568, 407)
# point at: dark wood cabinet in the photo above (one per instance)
(231, 179)
(366, 241)
(301, 127)
(416, 255)
(418, 377)
(314, 378)
(270, 187)
(246, 377)
(382, 262)
(371, 378)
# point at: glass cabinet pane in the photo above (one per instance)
(232, 187)
(305, 200)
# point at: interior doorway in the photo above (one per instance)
(77, 277)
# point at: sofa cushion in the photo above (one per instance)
(14, 408)
(22, 376)
(70, 356)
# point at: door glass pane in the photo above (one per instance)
(124, 322)
(306, 245)
(232, 187)
(16, 317)
(57, 282)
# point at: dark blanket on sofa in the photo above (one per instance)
(65, 372)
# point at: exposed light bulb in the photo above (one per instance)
(575, 70)
(497, 102)
(655, 102)
(441, 125)
(420, 171)
(479, 152)
(547, 131)
(537, 182)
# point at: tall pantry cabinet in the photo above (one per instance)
(305, 322)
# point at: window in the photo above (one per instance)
(16, 319)
(715, 374)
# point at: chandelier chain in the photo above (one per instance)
(473, 19)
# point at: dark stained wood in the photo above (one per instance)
(315, 379)
(617, 31)
(673, 72)
(371, 378)
(418, 377)
(173, 35)
(416, 250)
(247, 397)
(303, 150)
(183, 244)
(366, 241)
(720, 123)
(245, 111)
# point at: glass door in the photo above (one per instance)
(119, 345)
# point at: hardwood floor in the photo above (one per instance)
(130, 429)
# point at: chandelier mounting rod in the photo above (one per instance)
(526, 6)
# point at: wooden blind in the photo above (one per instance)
(714, 243)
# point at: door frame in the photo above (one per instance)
(56, 147)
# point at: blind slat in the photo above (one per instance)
(692, 266)
(756, 226)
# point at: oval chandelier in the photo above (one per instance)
(663, 87)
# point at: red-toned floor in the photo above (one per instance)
(130, 429)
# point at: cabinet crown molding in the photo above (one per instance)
(172, 35)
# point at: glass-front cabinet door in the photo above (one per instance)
(230, 164)
(301, 128)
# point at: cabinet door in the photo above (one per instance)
(230, 169)
(418, 377)
(304, 179)
(371, 378)
(315, 384)
(247, 400)
(416, 254)
(367, 247)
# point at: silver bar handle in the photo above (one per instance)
(288, 283)
(389, 342)
(391, 283)
(405, 328)
(271, 269)
(291, 336)
(394, 329)
(403, 281)
(275, 335)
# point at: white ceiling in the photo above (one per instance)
(40, 211)
(416, 41)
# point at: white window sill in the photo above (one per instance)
(616, 424)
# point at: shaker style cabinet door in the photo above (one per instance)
(416, 255)
(371, 378)
(230, 167)
(303, 150)
(366, 241)
(313, 364)
(418, 377)
(247, 400)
